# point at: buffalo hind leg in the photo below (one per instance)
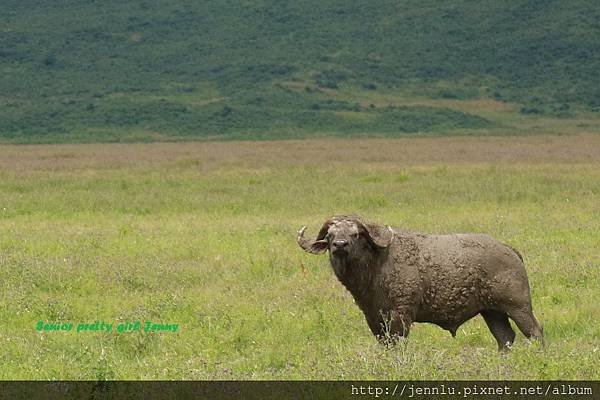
(500, 327)
(527, 324)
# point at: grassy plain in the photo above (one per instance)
(202, 234)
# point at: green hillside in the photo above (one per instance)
(155, 70)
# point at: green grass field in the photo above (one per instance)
(203, 235)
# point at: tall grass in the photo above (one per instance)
(211, 247)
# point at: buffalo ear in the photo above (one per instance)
(380, 236)
(318, 247)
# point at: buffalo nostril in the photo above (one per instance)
(340, 244)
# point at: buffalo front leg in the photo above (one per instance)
(393, 326)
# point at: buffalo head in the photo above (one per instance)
(346, 237)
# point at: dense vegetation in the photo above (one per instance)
(112, 70)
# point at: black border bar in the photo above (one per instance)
(217, 390)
